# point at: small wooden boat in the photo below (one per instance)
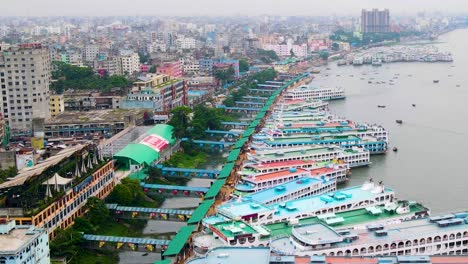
(435, 81)
(414, 105)
(399, 121)
(395, 149)
(381, 106)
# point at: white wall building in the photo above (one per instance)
(90, 52)
(130, 63)
(284, 50)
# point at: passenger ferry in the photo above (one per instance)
(297, 126)
(440, 235)
(262, 181)
(306, 92)
(366, 206)
(354, 156)
(373, 145)
(300, 105)
(252, 168)
(291, 190)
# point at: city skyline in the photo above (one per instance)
(222, 8)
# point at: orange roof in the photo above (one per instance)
(332, 260)
(276, 175)
(449, 260)
(302, 260)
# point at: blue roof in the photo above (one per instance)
(307, 204)
(147, 241)
(175, 187)
(270, 194)
(148, 210)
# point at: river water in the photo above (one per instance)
(429, 166)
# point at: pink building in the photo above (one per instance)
(173, 69)
(319, 44)
(144, 68)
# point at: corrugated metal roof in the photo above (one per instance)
(200, 212)
(215, 188)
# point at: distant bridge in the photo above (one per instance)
(126, 243)
(129, 212)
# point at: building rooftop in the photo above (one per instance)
(236, 210)
(234, 255)
(267, 195)
(95, 116)
(16, 238)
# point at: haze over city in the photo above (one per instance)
(221, 7)
(233, 131)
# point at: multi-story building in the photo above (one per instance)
(23, 244)
(84, 174)
(284, 50)
(225, 63)
(56, 105)
(25, 73)
(173, 69)
(375, 21)
(186, 43)
(206, 66)
(191, 68)
(110, 66)
(160, 92)
(130, 63)
(90, 52)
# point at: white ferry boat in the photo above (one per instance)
(354, 156)
(258, 182)
(440, 235)
(306, 92)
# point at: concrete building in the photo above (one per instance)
(191, 68)
(159, 92)
(284, 50)
(25, 73)
(173, 69)
(375, 21)
(23, 244)
(206, 66)
(57, 104)
(226, 63)
(110, 66)
(186, 43)
(90, 52)
(130, 63)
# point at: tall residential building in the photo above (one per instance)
(23, 244)
(375, 21)
(25, 72)
(130, 63)
(57, 104)
(90, 52)
(173, 69)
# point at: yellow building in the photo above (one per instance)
(56, 104)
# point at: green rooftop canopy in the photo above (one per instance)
(233, 155)
(147, 150)
(215, 188)
(226, 170)
(178, 242)
(254, 123)
(166, 261)
(200, 212)
(240, 143)
(139, 153)
(248, 132)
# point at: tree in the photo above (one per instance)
(324, 55)
(243, 65)
(152, 69)
(66, 242)
(121, 195)
(98, 214)
(335, 46)
(291, 52)
(224, 75)
(83, 225)
(180, 120)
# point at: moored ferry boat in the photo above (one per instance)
(258, 182)
(238, 224)
(354, 156)
(306, 92)
(439, 235)
(300, 105)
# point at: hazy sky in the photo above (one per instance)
(220, 7)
